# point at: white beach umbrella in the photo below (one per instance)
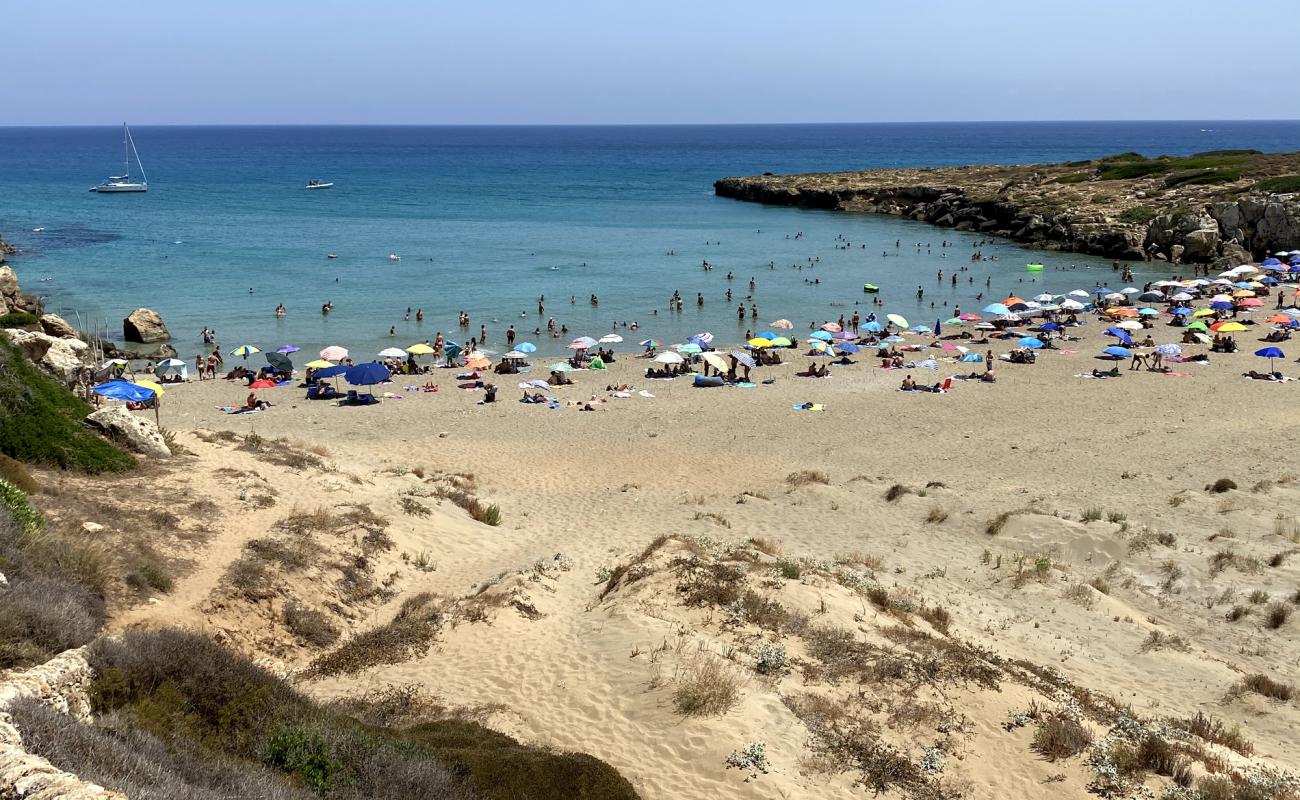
(1181, 297)
(669, 357)
(1072, 305)
(1043, 298)
(716, 361)
(611, 338)
(1130, 325)
(1080, 293)
(1130, 290)
(392, 352)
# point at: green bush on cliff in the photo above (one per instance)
(18, 319)
(1202, 178)
(1076, 177)
(1138, 215)
(179, 686)
(1208, 153)
(40, 421)
(1136, 169)
(1282, 184)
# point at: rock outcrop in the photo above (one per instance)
(67, 360)
(62, 683)
(12, 297)
(57, 326)
(135, 432)
(1175, 209)
(144, 326)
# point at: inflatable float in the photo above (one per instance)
(870, 288)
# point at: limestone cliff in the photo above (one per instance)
(1221, 206)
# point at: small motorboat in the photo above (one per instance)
(318, 185)
(38, 230)
(394, 257)
(332, 255)
(870, 288)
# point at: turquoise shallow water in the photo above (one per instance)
(487, 219)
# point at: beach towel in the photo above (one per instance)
(745, 385)
(809, 407)
(644, 393)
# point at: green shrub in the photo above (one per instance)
(18, 319)
(1074, 177)
(1139, 215)
(14, 501)
(1282, 184)
(40, 421)
(1136, 169)
(1211, 153)
(1203, 177)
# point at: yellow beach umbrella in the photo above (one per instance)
(420, 349)
(1231, 327)
(1203, 312)
(1243, 293)
(158, 390)
(817, 345)
(760, 342)
(318, 364)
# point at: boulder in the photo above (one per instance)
(1200, 245)
(65, 359)
(136, 432)
(57, 326)
(144, 326)
(1176, 253)
(8, 283)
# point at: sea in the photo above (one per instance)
(487, 220)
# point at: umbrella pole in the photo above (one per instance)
(157, 419)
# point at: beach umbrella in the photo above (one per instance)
(1270, 353)
(669, 357)
(1197, 326)
(1079, 293)
(781, 341)
(334, 353)
(287, 348)
(171, 362)
(582, 343)
(744, 359)
(1043, 298)
(651, 343)
(526, 347)
(1030, 342)
(280, 361)
(245, 351)
(846, 347)
(420, 349)
(817, 346)
(514, 355)
(1049, 326)
(1277, 319)
(896, 320)
(157, 390)
(1012, 300)
(783, 323)
(1114, 296)
(841, 336)
(331, 371)
(451, 350)
(1151, 297)
(833, 327)
(264, 383)
(1181, 311)
(872, 326)
(366, 374)
(953, 321)
(823, 335)
(1072, 305)
(936, 327)
(971, 357)
(1130, 325)
(1118, 352)
(1148, 312)
(690, 348)
(996, 308)
(1250, 302)
(716, 361)
(1122, 312)
(561, 366)
(477, 361)
(1169, 349)
(1201, 337)
(759, 341)
(1270, 262)
(919, 329)
(1129, 290)
(766, 335)
(928, 363)
(1205, 312)
(1227, 327)
(611, 338)
(392, 352)
(1181, 297)
(318, 364)
(969, 317)
(1103, 290)
(124, 390)
(894, 339)
(705, 339)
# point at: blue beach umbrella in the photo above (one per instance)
(996, 308)
(526, 347)
(1121, 334)
(287, 348)
(823, 335)
(1270, 262)
(1049, 326)
(690, 349)
(1118, 352)
(1030, 342)
(936, 327)
(1182, 311)
(846, 347)
(769, 335)
(1104, 290)
(1270, 353)
(874, 327)
(1148, 312)
(124, 390)
(366, 374)
(1221, 305)
(919, 329)
(894, 339)
(330, 372)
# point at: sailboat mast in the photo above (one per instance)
(126, 154)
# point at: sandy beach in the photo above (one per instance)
(557, 663)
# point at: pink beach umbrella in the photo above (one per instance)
(334, 353)
(833, 327)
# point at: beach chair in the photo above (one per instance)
(352, 398)
(947, 384)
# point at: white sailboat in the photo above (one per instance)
(123, 183)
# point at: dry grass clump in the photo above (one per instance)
(1265, 687)
(250, 577)
(1158, 640)
(805, 477)
(1225, 559)
(149, 576)
(1279, 558)
(14, 472)
(1100, 584)
(767, 545)
(938, 617)
(707, 687)
(488, 515)
(283, 453)
(709, 583)
(1060, 736)
(309, 625)
(408, 635)
(995, 525)
(1236, 613)
(936, 516)
(1276, 615)
(1154, 754)
(1212, 729)
(1081, 595)
(896, 491)
(413, 507)
(870, 561)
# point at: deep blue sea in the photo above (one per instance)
(486, 219)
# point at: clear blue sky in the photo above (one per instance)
(665, 61)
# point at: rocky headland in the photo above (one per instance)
(1222, 207)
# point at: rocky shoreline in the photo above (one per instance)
(1223, 207)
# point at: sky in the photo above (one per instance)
(72, 62)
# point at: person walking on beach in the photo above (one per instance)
(198, 365)
(510, 336)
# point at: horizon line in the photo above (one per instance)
(618, 124)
